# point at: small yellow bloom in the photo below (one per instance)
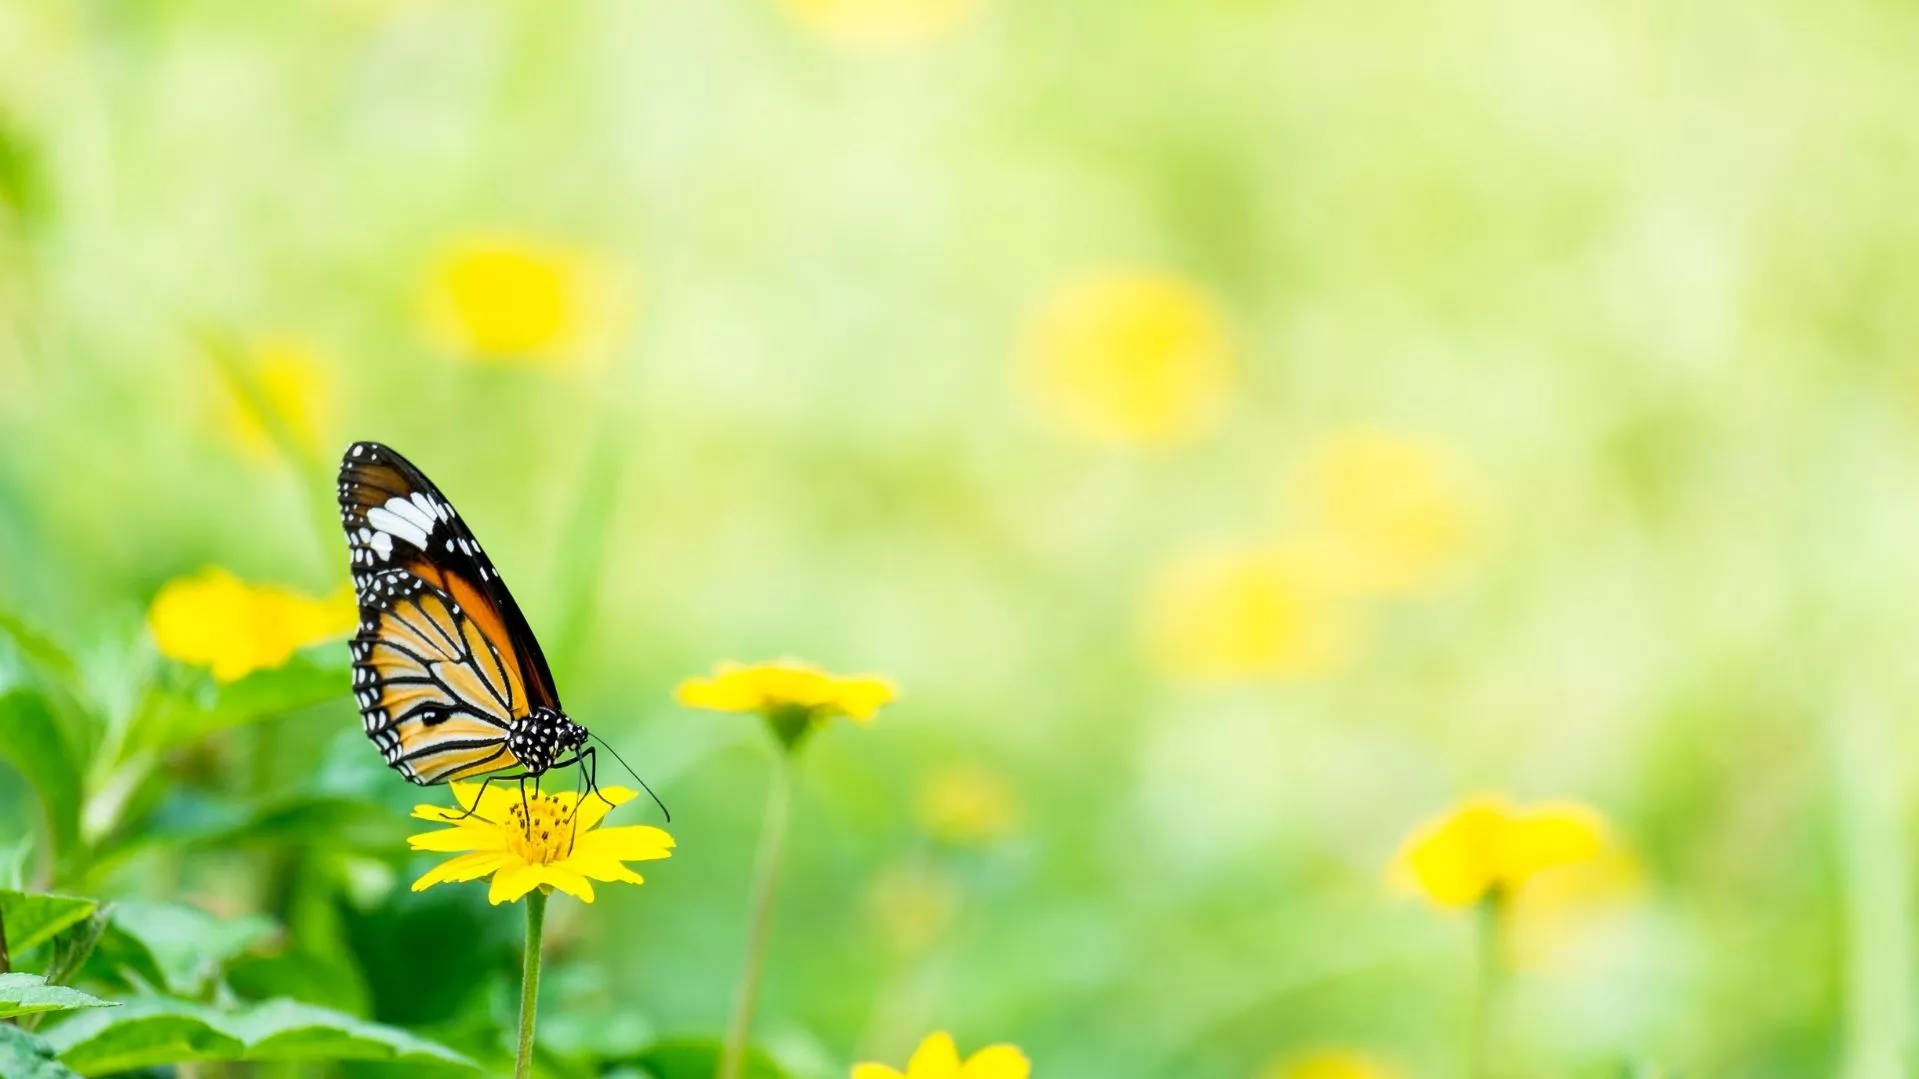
(556, 841)
(1239, 614)
(938, 1058)
(1331, 1064)
(787, 685)
(507, 300)
(1388, 513)
(214, 619)
(1130, 358)
(967, 804)
(1486, 846)
(879, 22)
(293, 383)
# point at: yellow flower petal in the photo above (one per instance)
(631, 843)
(507, 299)
(1549, 836)
(997, 1062)
(465, 867)
(787, 684)
(936, 1058)
(455, 839)
(218, 621)
(876, 1071)
(568, 881)
(594, 808)
(602, 868)
(513, 881)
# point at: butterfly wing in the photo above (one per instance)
(444, 661)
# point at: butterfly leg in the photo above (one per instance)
(475, 807)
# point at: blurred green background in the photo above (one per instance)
(1241, 428)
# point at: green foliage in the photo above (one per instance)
(26, 994)
(25, 1056)
(36, 745)
(696, 1058)
(149, 1032)
(33, 919)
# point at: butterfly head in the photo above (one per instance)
(543, 736)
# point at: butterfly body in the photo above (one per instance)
(449, 678)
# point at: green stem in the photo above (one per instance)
(1489, 985)
(530, 981)
(766, 873)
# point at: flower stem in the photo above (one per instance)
(530, 981)
(1489, 984)
(766, 873)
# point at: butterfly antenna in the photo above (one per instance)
(636, 778)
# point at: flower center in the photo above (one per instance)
(540, 834)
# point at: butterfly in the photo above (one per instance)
(449, 678)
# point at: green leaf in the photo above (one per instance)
(696, 1058)
(32, 918)
(191, 705)
(24, 1056)
(25, 994)
(154, 1031)
(187, 944)
(35, 745)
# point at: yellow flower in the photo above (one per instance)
(216, 620)
(1330, 1064)
(1240, 614)
(967, 804)
(293, 387)
(787, 686)
(1130, 358)
(1389, 512)
(555, 842)
(879, 22)
(505, 299)
(1485, 847)
(938, 1058)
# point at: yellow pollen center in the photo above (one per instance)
(541, 834)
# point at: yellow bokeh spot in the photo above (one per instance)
(1330, 1064)
(507, 300)
(1485, 845)
(214, 619)
(1257, 613)
(938, 1058)
(1386, 513)
(778, 685)
(291, 379)
(879, 22)
(1130, 358)
(967, 804)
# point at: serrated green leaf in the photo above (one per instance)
(25, 1056)
(25, 994)
(154, 1031)
(37, 748)
(33, 918)
(696, 1058)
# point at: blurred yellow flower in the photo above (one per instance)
(214, 619)
(294, 387)
(787, 685)
(1330, 1064)
(1388, 513)
(938, 1058)
(879, 22)
(1130, 358)
(1551, 915)
(506, 299)
(1246, 614)
(912, 903)
(1485, 847)
(967, 804)
(554, 842)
